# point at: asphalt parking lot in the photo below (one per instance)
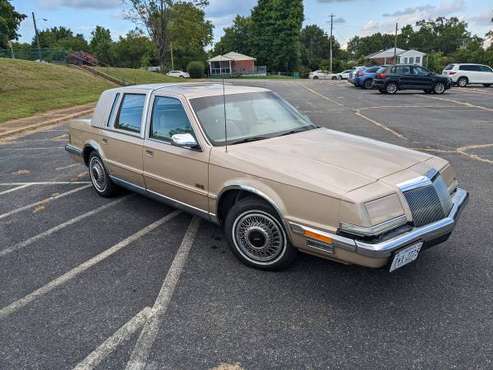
(102, 283)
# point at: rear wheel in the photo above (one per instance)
(486, 85)
(427, 91)
(391, 88)
(315, 77)
(462, 82)
(100, 179)
(257, 236)
(382, 91)
(439, 88)
(368, 84)
(334, 78)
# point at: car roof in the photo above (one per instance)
(191, 90)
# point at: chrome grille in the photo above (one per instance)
(428, 202)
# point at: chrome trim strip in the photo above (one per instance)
(73, 149)
(415, 183)
(376, 229)
(164, 199)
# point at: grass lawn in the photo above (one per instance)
(137, 76)
(27, 88)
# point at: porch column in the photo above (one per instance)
(230, 71)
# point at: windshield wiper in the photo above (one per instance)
(247, 140)
(301, 129)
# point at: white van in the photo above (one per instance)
(468, 73)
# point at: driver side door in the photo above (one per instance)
(178, 174)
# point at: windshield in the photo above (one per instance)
(250, 116)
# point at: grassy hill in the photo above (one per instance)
(27, 88)
(136, 76)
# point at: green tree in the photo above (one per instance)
(156, 15)
(102, 45)
(10, 21)
(189, 34)
(134, 50)
(315, 46)
(237, 38)
(276, 27)
(61, 38)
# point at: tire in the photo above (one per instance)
(391, 88)
(251, 222)
(486, 85)
(427, 91)
(368, 84)
(382, 91)
(334, 78)
(462, 82)
(315, 77)
(439, 88)
(101, 182)
(339, 77)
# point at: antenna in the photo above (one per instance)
(225, 126)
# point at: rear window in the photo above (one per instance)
(485, 69)
(470, 67)
(130, 114)
(372, 69)
(449, 67)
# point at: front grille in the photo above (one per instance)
(428, 203)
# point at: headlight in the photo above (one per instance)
(384, 214)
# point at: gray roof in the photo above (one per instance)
(231, 56)
(389, 53)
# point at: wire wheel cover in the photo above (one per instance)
(259, 236)
(98, 175)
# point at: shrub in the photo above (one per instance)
(196, 69)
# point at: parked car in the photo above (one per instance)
(278, 184)
(391, 79)
(178, 73)
(344, 75)
(322, 75)
(365, 77)
(353, 72)
(464, 74)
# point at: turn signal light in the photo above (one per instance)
(317, 236)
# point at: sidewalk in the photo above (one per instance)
(49, 118)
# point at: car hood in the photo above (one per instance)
(322, 160)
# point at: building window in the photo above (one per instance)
(418, 60)
(411, 60)
(405, 60)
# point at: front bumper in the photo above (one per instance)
(429, 234)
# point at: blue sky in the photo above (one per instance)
(353, 17)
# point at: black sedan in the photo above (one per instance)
(390, 79)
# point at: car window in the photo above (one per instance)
(113, 108)
(372, 69)
(470, 67)
(449, 67)
(485, 69)
(403, 70)
(130, 114)
(168, 118)
(420, 71)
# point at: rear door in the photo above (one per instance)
(123, 140)
(486, 74)
(176, 173)
(406, 79)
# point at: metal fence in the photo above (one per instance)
(52, 55)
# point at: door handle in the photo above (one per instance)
(105, 140)
(149, 153)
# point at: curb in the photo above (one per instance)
(45, 123)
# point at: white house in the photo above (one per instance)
(403, 56)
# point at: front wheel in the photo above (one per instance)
(101, 182)
(486, 85)
(382, 91)
(439, 88)
(427, 91)
(257, 236)
(462, 82)
(368, 84)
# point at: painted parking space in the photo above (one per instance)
(126, 283)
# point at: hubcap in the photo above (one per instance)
(462, 82)
(98, 176)
(439, 88)
(258, 236)
(391, 88)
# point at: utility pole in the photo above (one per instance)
(330, 40)
(395, 44)
(172, 59)
(37, 37)
(11, 50)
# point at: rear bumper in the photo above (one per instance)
(377, 254)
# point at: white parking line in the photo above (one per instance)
(110, 344)
(17, 210)
(14, 306)
(14, 189)
(29, 241)
(138, 358)
(69, 166)
(40, 148)
(45, 183)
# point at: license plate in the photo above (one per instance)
(405, 256)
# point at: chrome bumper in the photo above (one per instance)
(73, 150)
(426, 233)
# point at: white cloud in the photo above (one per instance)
(81, 4)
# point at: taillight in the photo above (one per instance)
(359, 73)
(381, 75)
(452, 73)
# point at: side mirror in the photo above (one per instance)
(184, 140)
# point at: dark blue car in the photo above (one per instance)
(365, 76)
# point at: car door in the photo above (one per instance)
(179, 174)
(423, 78)
(486, 74)
(406, 79)
(123, 140)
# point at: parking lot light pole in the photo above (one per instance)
(330, 41)
(37, 38)
(395, 44)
